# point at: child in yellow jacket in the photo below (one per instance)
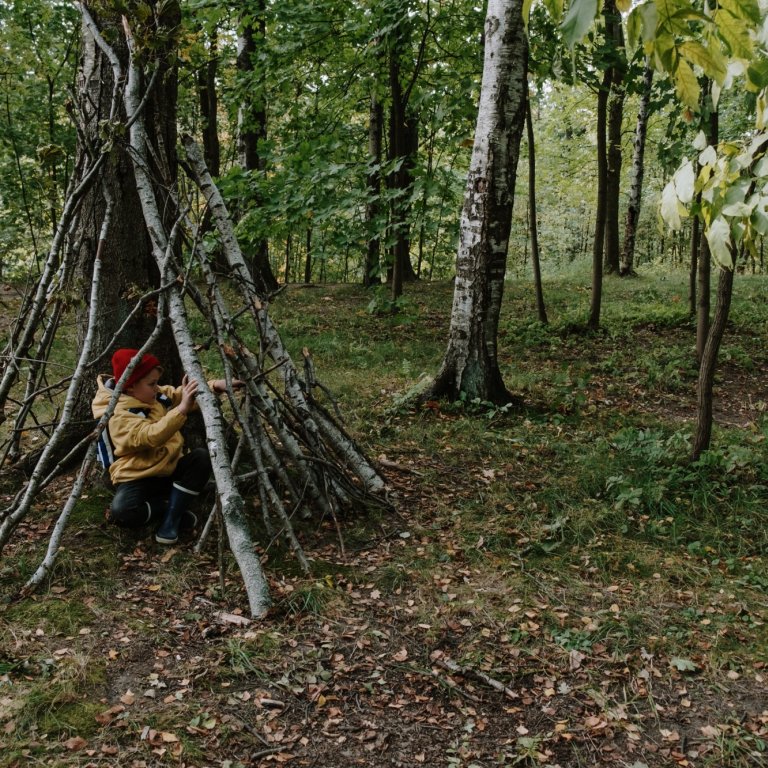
(155, 479)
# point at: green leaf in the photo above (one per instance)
(757, 74)
(710, 60)
(735, 33)
(759, 218)
(749, 10)
(555, 8)
(580, 17)
(642, 22)
(687, 85)
(719, 239)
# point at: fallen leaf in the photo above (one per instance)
(128, 697)
(75, 743)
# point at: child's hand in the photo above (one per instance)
(188, 394)
(219, 386)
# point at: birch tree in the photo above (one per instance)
(470, 366)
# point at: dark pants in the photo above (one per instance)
(141, 502)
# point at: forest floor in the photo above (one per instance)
(558, 586)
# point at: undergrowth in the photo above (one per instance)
(569, 529)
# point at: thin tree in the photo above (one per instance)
(533, 225)
(252, 118)
(627, 267)
(614, 36)
(704, 277)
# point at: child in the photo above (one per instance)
(144, 450)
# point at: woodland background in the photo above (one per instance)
(558, 581)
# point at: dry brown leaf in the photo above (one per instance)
(75, 743)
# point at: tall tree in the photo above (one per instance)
(403, 138)
(372, 266)
(617, 66)
(252, 119)
(470, 366)
(533, 217)
(627, 266)
(703, 283)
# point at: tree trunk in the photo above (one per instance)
(372, 268)
(534, 224)
(599, 238)
(627, 267)
(252, 127)
(127, 253)
(209, 108)
(308, 258)
(470, 367)
(403, 143)
(708, 364)
(694, 265)
(705, 264)
(615, 120)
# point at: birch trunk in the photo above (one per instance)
(470, 366)
(232, 506)
(627, 266)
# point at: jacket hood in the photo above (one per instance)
(105, 386)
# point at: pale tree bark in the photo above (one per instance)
(470, 366)
(600, 211)
(232, 506)
(627, 267)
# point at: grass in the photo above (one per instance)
(564, 549)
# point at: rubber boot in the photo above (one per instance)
(178, 503)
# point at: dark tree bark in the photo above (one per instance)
(627, 267)
(705, 262)
(372, 269)
(403, 143)
(308, 258)
(534, 223)
(209, 108)
(470, 366)
(615, 36)
(599, 238)
(252, 126)
(129, 268)
(694, 266)
(708, 364)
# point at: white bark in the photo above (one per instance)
(470, 365)
(272, 343)
(240, 541)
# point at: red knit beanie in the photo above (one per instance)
(120, 361)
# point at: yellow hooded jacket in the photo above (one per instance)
(145, 439)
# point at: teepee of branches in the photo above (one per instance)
(303, 460)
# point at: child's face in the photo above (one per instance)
(146, 389)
